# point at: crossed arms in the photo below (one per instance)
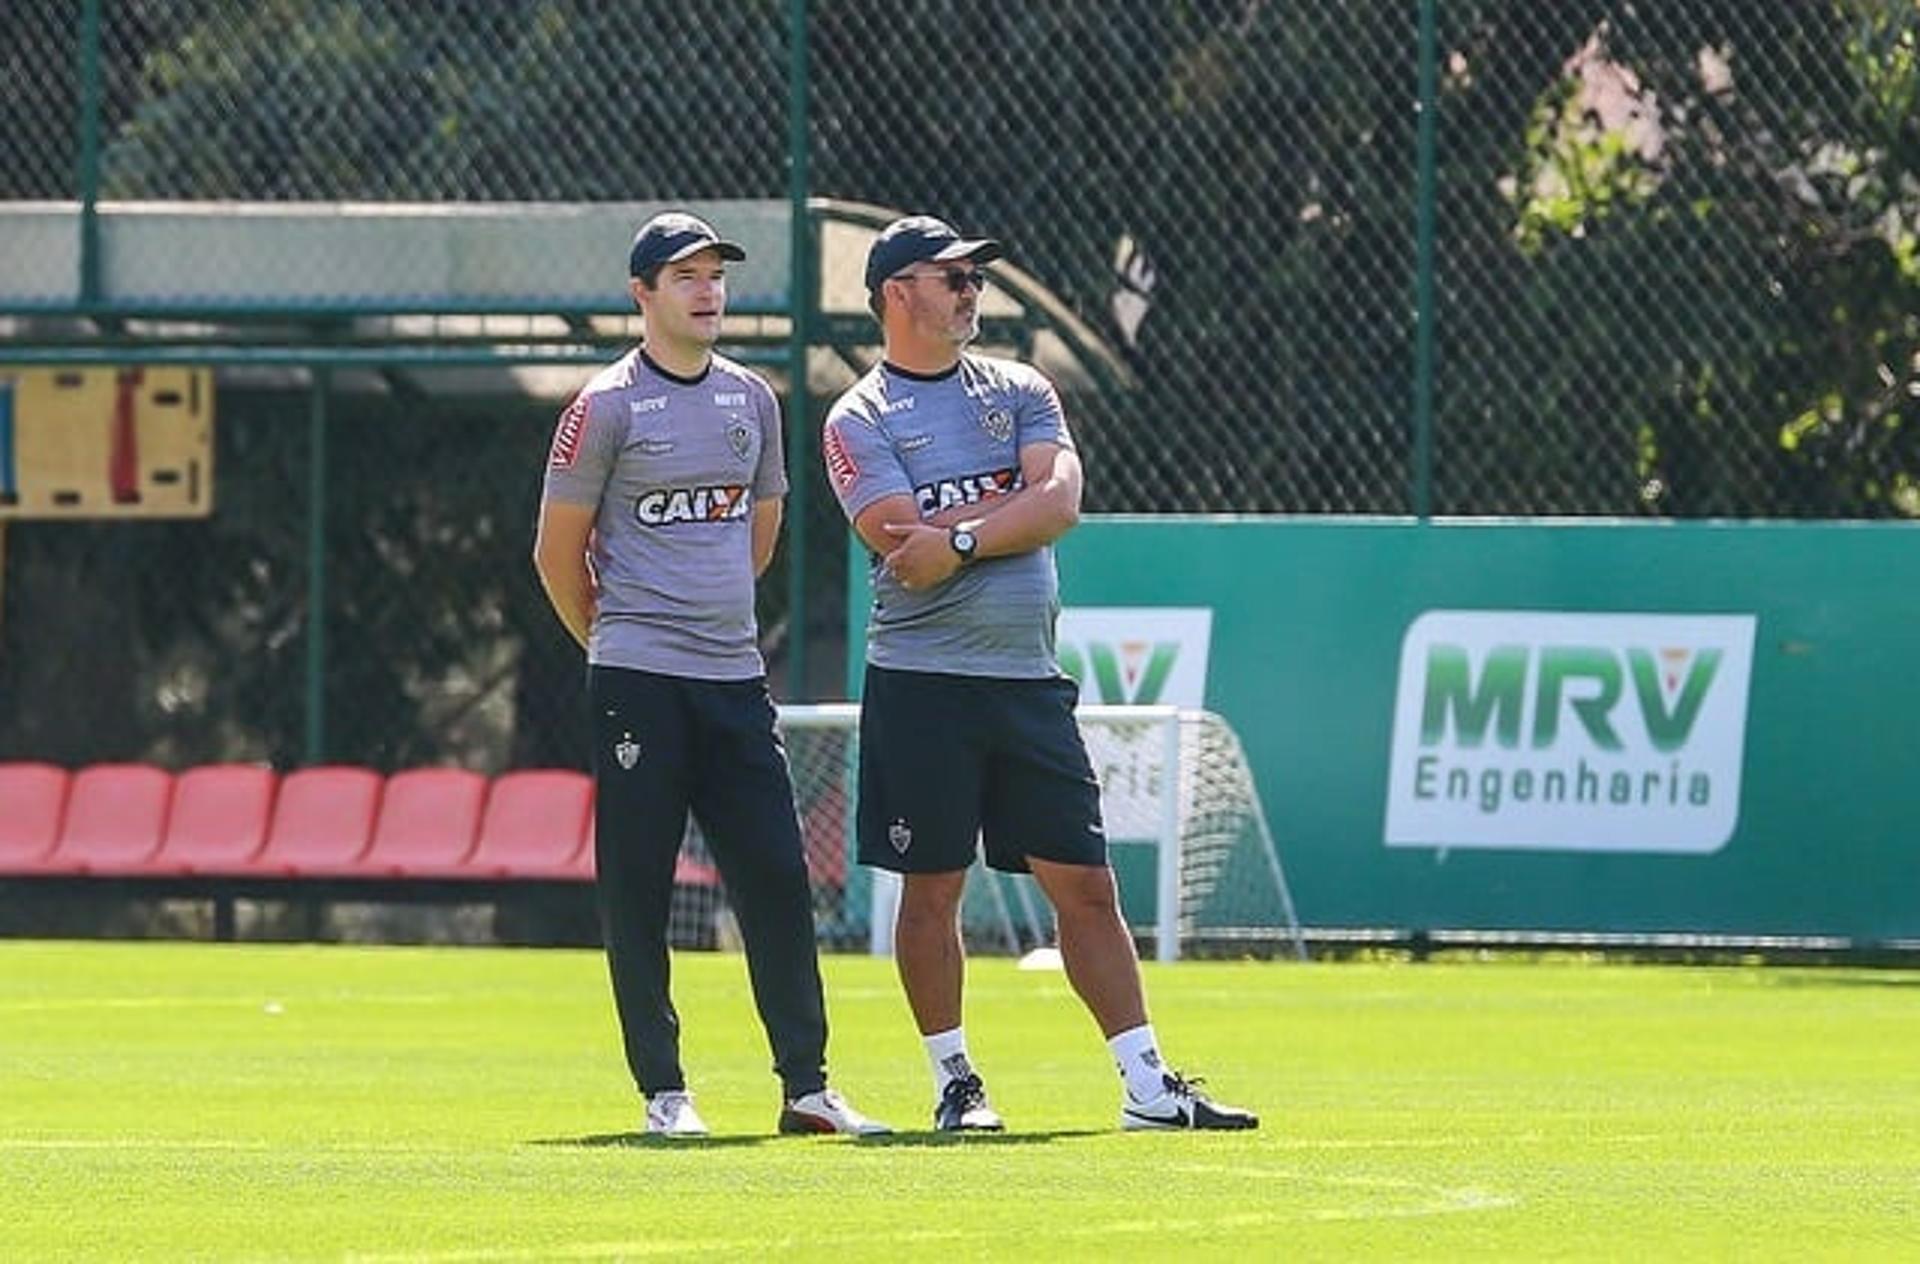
(916, 549)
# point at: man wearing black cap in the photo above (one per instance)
(664, 487)
(958, 472)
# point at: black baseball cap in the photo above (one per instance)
(673, 235)
(908, 241)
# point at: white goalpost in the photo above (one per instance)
(1197, 863)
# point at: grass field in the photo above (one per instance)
(212, 1102)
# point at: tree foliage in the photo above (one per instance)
(1677, 270)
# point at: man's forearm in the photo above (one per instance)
(1031, 518)
(573, 602)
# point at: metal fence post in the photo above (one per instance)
(316, 668)
(91, 96)
(1428, 106)
(799, 399)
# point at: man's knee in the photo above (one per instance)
(1083, 891)
(929, 902)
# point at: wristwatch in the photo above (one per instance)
(963, 543)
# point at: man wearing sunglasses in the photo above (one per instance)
(958, 473)
(664, 486)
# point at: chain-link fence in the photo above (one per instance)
(1354, 256)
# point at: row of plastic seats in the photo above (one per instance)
(247, 821)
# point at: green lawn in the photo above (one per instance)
(268, 1102)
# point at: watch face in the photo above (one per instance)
(963, 543)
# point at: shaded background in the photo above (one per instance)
(1667, 253)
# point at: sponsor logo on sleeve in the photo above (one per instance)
(840, 463)
(567, 435)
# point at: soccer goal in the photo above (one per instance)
(1197, 864)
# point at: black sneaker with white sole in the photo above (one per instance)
(963, 1107)
(1181, 1104)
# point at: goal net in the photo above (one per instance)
(1196, 862)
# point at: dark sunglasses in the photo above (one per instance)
(959, 280)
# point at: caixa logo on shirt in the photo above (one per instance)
(665, 506)
(968, 489)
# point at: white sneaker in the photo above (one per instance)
(827, 1111)
(671, 1114)
(1181, 1104)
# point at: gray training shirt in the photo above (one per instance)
(674, 466)
(952, 440)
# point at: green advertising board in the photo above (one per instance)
(1562, 726)
(1578, 726)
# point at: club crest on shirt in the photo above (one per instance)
(739, 438)
(998, 423)
(626, 751)
(900, 834)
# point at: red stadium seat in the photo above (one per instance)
(219, 820)
(534, 827)
(33, 798)
(116, 817)
(322, 823)
(429, 820)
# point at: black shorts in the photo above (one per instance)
(949, 764)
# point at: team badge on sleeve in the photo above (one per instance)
(567, 435)
(840, 464)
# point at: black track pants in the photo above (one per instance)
(664, 745)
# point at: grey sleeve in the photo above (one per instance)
(1039, 417)
(585, 445)
(861, 463)
(770, 477)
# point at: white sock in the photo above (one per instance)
(1137, 1054)
(947, 1050)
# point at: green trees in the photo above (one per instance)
(1693, 293)
(1677, 266)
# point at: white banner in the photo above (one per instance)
(1569, 732)
(1137, 655)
